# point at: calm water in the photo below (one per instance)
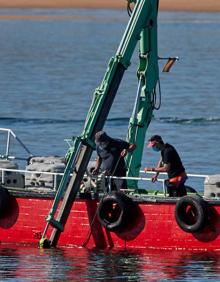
(50, 63)
(32, 264)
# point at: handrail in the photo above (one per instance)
(137, 178)
(31, 171)
(3, 170)
(10, 132)
(107, 177)
(113, 177)
(188, 174)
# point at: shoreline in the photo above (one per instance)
(165, 5)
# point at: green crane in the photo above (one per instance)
(142, 27)
(148, 77)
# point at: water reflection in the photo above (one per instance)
(9, 259)
(80, 264)
(114, 266)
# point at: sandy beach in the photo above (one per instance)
(165, 5)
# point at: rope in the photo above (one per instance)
(96, 212)
(154, 98)
(89, 233)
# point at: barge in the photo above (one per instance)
(55, 201)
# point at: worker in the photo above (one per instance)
(170, 163)
(110, 158)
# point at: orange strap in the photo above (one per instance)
(178, 179)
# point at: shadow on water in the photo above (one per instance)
(81, 264)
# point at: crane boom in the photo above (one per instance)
(148, 77)
(142, 25)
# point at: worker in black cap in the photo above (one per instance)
(110, 158)
(170, 163)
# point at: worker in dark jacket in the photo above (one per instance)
(170, 163)
(110, 158)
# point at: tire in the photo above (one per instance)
(115, 211)
(191, 213)
(4, 200)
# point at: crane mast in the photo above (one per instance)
(148, 78)
(142, 27)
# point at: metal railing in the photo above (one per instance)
(55, 175)
(11, 134)
(162, 180)
(3, 172)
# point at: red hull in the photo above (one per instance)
(155, 226)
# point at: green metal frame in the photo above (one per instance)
(141, 26)
(148, 76)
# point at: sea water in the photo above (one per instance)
(51, 61)
(79, 265)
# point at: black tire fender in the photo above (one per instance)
(115, 211)
(4, 200)
(191, 213)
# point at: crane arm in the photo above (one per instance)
(79, 155)
(148, 77)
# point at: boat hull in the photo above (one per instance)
(154, 226)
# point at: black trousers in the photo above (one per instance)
(174, 191)
(117, 184)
